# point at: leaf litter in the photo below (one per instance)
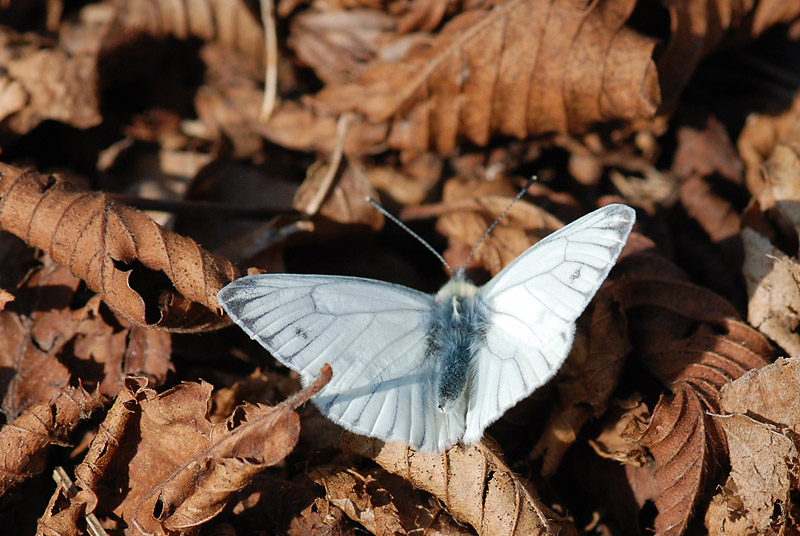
(670, 403)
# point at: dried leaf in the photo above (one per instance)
(690, 338)
(177, 469)
(25, 442)
(339, 194)
(149, 275)
(766, 145)
(474, 79)
(769, 393)
(401, 186)
(475, 485)
(620, 439)
(470, 207)
(699, 27)
(338, 44)
(761, 424)
(40, 83)
(587, 379)
(706, 149)
(772, 284)
(228, 22)
(764, 463)
(47, 342)
(384, 504)
(722, 248)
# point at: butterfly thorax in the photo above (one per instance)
(457, 326)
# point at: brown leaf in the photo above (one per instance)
(691, 339)
(471, 206)
(48, 342)
(338, 44)
(475, 80)
(384, 504)
(149, 275)
(474, 483)
(704, 148)
(228, 22)
(25, 442)
(587, 379)
(699, 27)
(764, 464)
(761, 424)
(621, 437)
(46, 83)
(403, 187)
(721, 248)
(772, 285)
(177, 469)
(765, 146)
(338, 190)
(769, 394)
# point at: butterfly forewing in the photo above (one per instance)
(374, 336)
(532, 306)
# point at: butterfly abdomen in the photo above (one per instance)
(457, 322)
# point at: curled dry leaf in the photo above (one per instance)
(5, 298)
(177, 468)
(26, 441)
(228, 22)
(772, 285)
(761, 424)
(699, 27)
(692, 340)
(149, 275)
(383, 503)
(477, 79)
(48, 342)
(473, 482)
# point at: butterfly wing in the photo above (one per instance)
(531, 309)
(374, 336)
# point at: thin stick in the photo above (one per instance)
(271, 69)
(336, 160)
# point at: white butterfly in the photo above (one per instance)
(430, 370)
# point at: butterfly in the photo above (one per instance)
(431, 370)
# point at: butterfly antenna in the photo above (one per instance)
(409, 231)
(495, 222)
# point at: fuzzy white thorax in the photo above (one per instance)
(456, 288)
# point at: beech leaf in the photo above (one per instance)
(178, 469)
(761, 422)
(383, 503)
(473, 482)
(524, 67)
(26, 441)
(693, 341)
(147, 274)
(772, 284)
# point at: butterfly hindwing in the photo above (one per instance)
(532, 306)
(374, 336)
